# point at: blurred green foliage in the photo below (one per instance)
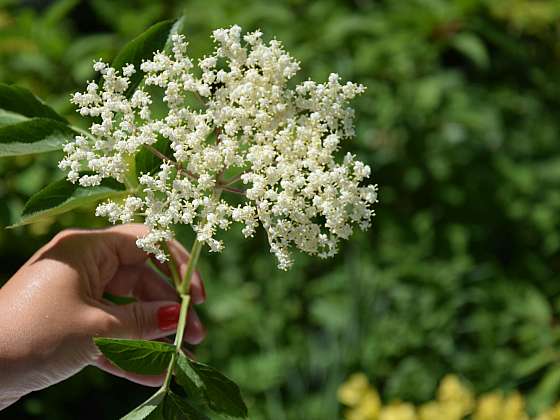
(460, 270)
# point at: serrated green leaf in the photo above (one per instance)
(62, 196)
(35, 135)
(147, 162)
(221, 394)
(21, 101)
(178, 408)
(138, 356)
(142, 47)
(147, 410)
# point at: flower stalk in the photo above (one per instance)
(185, 301)
(182, 286)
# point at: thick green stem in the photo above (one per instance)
(185, 300)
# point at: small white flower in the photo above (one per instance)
(128, 70)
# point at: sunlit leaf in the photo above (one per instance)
(62, 196)
(35, 135)
(148, 409)
(21, 101)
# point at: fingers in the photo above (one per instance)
(151, 320)
(121, 240)
(195, 331)
(142, 282)
(149, 380)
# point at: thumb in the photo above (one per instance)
(146, 320)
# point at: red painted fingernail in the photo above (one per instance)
(168, 317)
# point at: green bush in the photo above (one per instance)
(459, 273)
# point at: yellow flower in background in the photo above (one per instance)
(454, 401)
(514, 408)
(458, 399)
(398, 411)
(454, 398)
(489, 406)
(351, 392)
(368, 407)
(494, 406)
(431, 410)
(441, 411)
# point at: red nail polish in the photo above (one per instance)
(168, 317)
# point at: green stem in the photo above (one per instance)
(185, 300)
(195, 253)
(183, 289)
(172, 264)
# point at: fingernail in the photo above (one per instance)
(168, 317)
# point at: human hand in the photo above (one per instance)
(53, 306)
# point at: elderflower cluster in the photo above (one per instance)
(279, 144)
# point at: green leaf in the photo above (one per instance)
(146, 410)
(473, 48)
(21, 101)
(143, 47)
(221, 394)
(62, 196)
(35, 135)
(186, 376)
(118, 300)
(178, 408)
(177, 28)
(138, 356)
(147, 162)
(166, 406)
(8, 117)
(547, 390)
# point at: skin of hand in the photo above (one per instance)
(53, 306)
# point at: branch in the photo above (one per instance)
(232, 181)
(218, 131)
(233, 190)
(157, 153)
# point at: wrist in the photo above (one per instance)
(7, 400)
(14, 378)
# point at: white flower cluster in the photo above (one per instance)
(278, 142)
